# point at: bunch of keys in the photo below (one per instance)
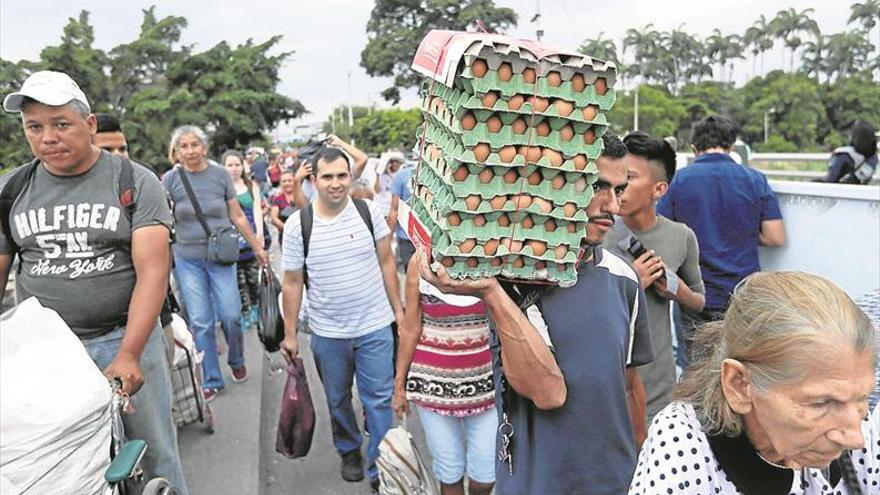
(505, 429)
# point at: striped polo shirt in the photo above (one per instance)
(346, 295)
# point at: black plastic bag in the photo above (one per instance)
(271, 328)
(296, 423)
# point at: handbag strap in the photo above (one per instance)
(194, 201)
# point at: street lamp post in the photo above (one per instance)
(767, 123)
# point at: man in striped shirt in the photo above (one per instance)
(353, 299)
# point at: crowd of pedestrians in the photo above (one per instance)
(520, 389)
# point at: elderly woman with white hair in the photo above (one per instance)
(206, 284)
(776, 402)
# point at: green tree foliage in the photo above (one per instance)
(660, 113)
(375, 131)
(154, 85)
(600, 47)
(396, 27)
(798, 109)
(846, 100)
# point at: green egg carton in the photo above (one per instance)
(445, 246)
(498, 185)
(445, 196)
(490, 229)
(455, 151)
(506, 137)
(551, 273)
(459, 102)
(468, 83)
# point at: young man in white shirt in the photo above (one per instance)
(353, 299)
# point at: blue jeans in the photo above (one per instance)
(369, 358)
(443, 434)
(151, 421)
(205, 286)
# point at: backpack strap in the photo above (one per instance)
(13, 188)
(126, 188)
(364, 209)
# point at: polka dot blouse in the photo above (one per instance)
(677, 459)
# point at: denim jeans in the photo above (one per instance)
(368, 358)
(151, 420)
(443, 434)
(206, 287)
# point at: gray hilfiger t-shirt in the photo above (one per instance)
(75, 242)
(212, 188)
(677, 245)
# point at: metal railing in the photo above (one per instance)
(802, 175)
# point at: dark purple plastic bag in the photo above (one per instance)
(296, 424)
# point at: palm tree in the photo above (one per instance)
(604, 49)
(848, 52)
(645, 42)
(680, 51)
(722, 49)
(868, 15)
(760, 38)
(813, 58)
(788, 24)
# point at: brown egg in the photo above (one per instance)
(481, 152)
(581, 184)
(511, 176)
(569, 209)
(496, 262)
(447, 261)
(468, 121)
(590, 136)
(590, 112)
(563, 108)
(486, 175)
(488, 100)
(538, 247)
(472, 262)
(543, 205)
(529, 76)
(479, 68)
(515, 102)
(522, 201)
(519, 126)
(540, 265)
(543, 129)
(562, 267)
(572, 227)
(566, 133)
(580, 162)
(555, 157)
(467, 245)
(493, 124)
(507, 154)
(472, 202)
(558, 181)
(601, 86)
(461, 173)
(490, 247)
(535, 178)
(454, 219)
(498, 202)
(560, 251)
(503, 220)
(511, 245)
(505, 72)
(577, 83)
(518, 262)
(539, 103)
(479, 220)
(554, 79)
(550, 225)
(532, 153)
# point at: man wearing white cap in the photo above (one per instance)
(84, 222)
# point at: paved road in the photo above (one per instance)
(240, 458)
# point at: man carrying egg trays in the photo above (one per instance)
(511, 133)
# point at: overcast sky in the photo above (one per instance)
(328, 35)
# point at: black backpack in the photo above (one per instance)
(307, 217)
(22, 175)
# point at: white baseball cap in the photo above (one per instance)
(47, 87)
